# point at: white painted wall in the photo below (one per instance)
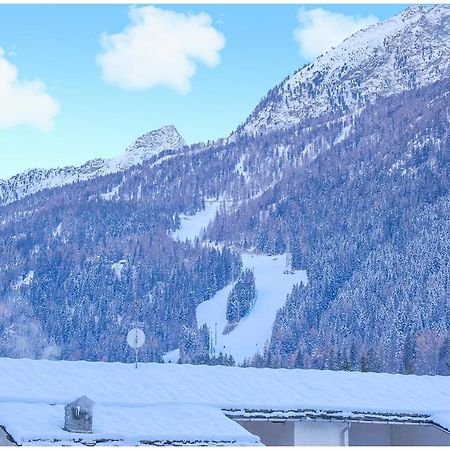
(320, 433)
(369, 434)
(270, 433)
(337, 433)
(396, 434)
(419, 435)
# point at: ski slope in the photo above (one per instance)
(272, 287)
(254, 330)
(192, 226)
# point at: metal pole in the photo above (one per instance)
(135, 350)
(239, 311)
(210, 344)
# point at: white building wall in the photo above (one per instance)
(312, 432)
(320, 433)
(419, 435)
(369, 434)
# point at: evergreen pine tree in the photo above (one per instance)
(242, 297)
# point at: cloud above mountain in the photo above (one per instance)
(319, 30)
(24, 102)
(159, 48)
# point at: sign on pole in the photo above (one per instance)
(136, 339)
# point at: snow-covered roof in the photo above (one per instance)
(129, 400)
(38, 424)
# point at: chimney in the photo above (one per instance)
(78, 415)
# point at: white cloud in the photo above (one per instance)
(319, 30)
(159, 47)
(24, 102)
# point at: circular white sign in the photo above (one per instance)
(135, 338)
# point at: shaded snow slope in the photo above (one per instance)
(405, 52)
(147, 146)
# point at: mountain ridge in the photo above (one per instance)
(149, 145)
(332, 83)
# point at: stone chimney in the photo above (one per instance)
(78, 415)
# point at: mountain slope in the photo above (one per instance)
(405, 52)
(368, 218)
(149, 146)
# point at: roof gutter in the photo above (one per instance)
(339, 420)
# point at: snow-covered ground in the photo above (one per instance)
(344, 134)
(192, 226)
(252, 332)
(24, 281)
(172, 356)
(240, 168)
(118, 267)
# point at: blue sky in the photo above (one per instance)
(81, 113)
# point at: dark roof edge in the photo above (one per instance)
(326, 415)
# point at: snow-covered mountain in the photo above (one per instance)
(356, 194)
(405, 52)
(147, 146)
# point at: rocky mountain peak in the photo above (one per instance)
(153, 142)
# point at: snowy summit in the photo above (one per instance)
(405, 52)
(153, 143)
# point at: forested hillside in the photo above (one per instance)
(369, 220)
(345, 171)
